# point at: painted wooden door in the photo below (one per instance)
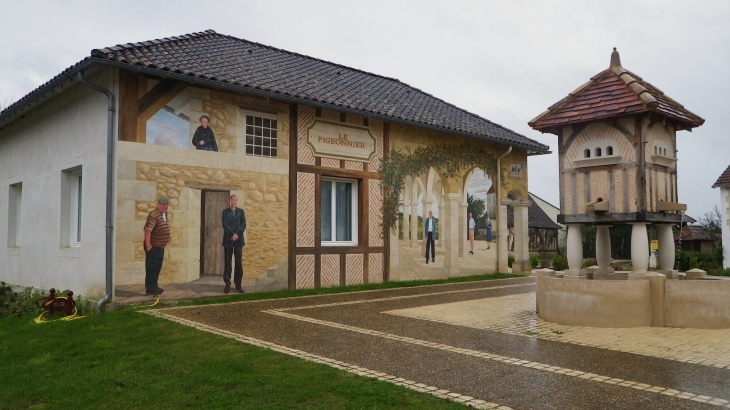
(214, 202)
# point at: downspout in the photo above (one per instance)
(499, 207)
(109, 187)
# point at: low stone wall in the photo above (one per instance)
(702, 304)
(649, 301)
(594, 303)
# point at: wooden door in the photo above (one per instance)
(211, 248)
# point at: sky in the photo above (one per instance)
(506, 61)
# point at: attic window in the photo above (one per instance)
(587, 153)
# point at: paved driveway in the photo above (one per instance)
(480, 343)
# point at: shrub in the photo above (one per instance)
(588, 262)
(560, 262)
(690, 260)
(719, 272)
(534, 261)
(510, 259)
(22, 304)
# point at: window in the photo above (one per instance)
(71, 207)
(598, 152)
(15, 200)
(339, 212)
(609, 150)
(261, 138)
(587, 153)
(655, 150)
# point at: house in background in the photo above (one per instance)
(696, 239)
(723, 182)
(543, 231)
(84, 157)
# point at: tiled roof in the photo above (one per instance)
(724, 179)
(247, 66)
(612, 93)
(536, 217)
(695, 233)
(688, 219)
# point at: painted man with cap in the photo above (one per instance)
(156, 237)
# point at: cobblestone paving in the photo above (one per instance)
(475, 343)
(515, 314)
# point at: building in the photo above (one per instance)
(696, 239)
(723, 182)
(542, 230)
(84, 157)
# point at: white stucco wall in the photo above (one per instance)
(68, 131)
(725, 212)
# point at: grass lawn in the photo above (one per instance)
(127, 360)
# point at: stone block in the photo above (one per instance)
(695, 274)
(136, 151)
(136, 190)
(177, 255)
(181, 219)
(186, 272)
(126, 169)
(126, 210)
(129, 273)
(193, 239)
(125, 252)
(130, 231)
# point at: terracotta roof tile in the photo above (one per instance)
(694, 233)
(723, 180)
(611, 93)
(248, 65)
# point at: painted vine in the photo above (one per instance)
(450, 159)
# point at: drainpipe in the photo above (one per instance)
(109, 186)
(499, 206)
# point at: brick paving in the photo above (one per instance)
(477, 343)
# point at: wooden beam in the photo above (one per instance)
(337, 172)
(665, 206)
(128, 83)
(292, 209)
(153, 101)
(386, 235)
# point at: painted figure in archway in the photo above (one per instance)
(234, 223)
(204, 138)
(156, 237)
(472, 225)
(489, 233)
(429, 232)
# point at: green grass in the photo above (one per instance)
(124, 360)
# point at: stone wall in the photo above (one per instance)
(146, 172)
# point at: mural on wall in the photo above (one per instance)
(170, 126)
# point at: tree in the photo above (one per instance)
(711, 221)
(475, 205)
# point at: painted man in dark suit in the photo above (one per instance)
(234, 223)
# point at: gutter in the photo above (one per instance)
(294, 100)
(499, 208)
(109, 187)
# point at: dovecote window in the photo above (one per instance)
(598, 152)
(609, 150)
(261, 136)
(587, 153)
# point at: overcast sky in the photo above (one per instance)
(506, 61)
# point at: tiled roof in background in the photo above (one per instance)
(695, 233)
(724, 179)
(612, 93)
(536, 217)
(246, 65)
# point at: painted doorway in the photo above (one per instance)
(211, 232)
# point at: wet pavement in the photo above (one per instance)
(478, 343)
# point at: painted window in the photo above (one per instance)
(15, 207)
(339, 212)
(587, 153)
(261, 136)
(71, 207)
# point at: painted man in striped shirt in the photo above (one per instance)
(156, 237)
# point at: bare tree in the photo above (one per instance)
(711, 221)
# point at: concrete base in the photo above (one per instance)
(574, 274)
(611, 276)
(670, 274)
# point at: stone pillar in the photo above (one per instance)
(463, 222)
(666, 251)
(394, 249)
(441, 239)
(603, 249)
(502, 234)
(522, 238)
(575, 252)
(406, 220)
(414, 224)
(639, 250)
(450, 231)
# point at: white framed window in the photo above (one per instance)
(339, 211)
(261, 135)
(71, 207)
(15, 210)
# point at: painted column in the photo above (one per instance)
(502, 234)
(450, 230)
(666, 250)
(406, 220)
(575, 251)
(522, 238)
(463, 221)
(441, 239)
(603, 249)
(414, 224)
(428, 206)
(639, 250)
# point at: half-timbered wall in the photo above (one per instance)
(312, 264)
